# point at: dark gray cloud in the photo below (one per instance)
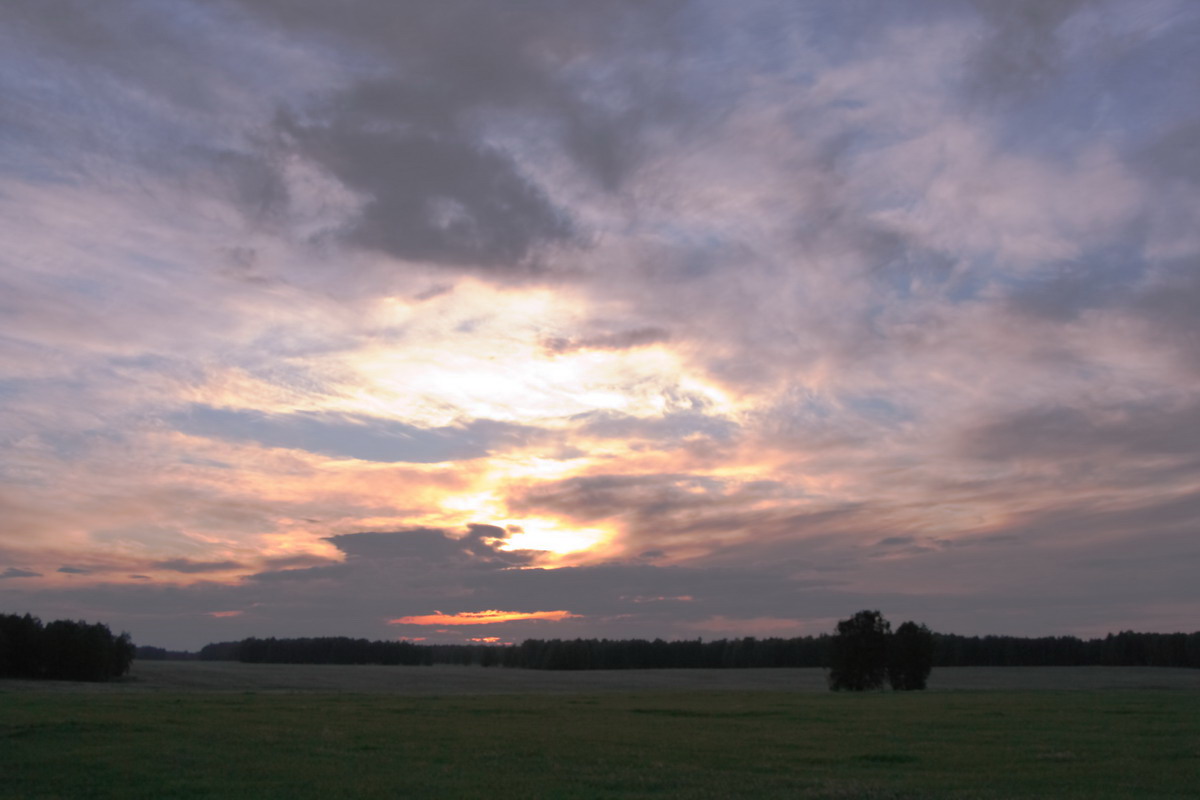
(1021, 51)
(480, 546)
(1175, 153)
(1167, 310)
(895, 541)
(297, 561)
(611, 589)
(74, 570)
(17, 572)
(595, 497)
(623, 340)
(1107, 434)
(1106, 278)
(411, 139)
(1157, 296)
(190, 566)
(430, 194)
(451, 59)
(357, 436)
(735, 522)
(251, 181)
(153, 86)
(1155, 519)
(153, 48)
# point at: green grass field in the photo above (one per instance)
(1114, 743)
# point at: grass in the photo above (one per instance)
(628, 744)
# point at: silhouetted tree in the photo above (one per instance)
(909, 657)
(858, 652)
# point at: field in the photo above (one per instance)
(193, 730)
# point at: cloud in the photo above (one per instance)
(1099, 280)
(189, 566)
(356, 435)
(449, 64)
(1114, 434)
(1174, 155)
(595, 497)
(480, 546)
(624, 340)
(1021, 50)
(674, 427)
(429, 195)
(754, 626)
(74, 570)
(17, 572)
(424, 143)
(693, 513)
(1165, 309)
(481, 617)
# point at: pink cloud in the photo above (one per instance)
(481, 617)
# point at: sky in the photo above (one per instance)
(483, 321)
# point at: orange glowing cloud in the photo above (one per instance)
(223, 614)
(481, 617)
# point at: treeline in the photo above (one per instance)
(950, 650)
(344, 650)
(61, 650)
(1125, 649)
(747, 652)
(530, 654)
(148, 653)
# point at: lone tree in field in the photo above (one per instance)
(909, 657)
(858, 653)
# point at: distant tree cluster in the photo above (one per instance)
(864, 651)
(61, 650)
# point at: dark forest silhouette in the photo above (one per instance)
(1127, 648)
(61, 650)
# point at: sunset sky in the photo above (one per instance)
(503, 320)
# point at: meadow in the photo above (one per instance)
(196, 730)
